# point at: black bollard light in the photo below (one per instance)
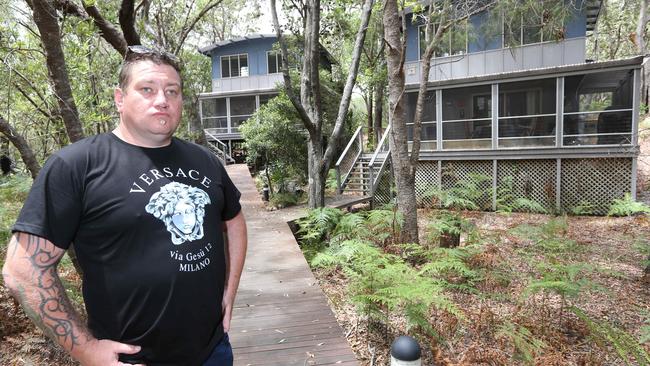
(265, 193)
(405, 351)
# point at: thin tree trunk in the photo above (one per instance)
(369, 110)
(404, 179)
(641, 48)
(26, 152)
(46, 20)
(316, 176)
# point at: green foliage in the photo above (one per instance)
(549, 238)
(624, 344)
(13, 192)
(526, 345)
(316, 227)
(451, 265)
(284, 199)
(583, 208)
(565, 280)
(645, 329)
(626, 206)
(507, 201)
(384, 224)
(464, 194)
(445, 222)
(274, 138)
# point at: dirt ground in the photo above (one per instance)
(622, 299)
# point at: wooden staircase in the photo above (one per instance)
(358, 182)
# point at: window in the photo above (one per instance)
(453, 42)
(598, 109)
(274, 62)
(214, 114)
(264, 98)
(527, 113)
(234, 66)
(467, 118)
(530, 28)
(428, 133)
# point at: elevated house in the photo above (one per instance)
(246, 72)
(521, 117)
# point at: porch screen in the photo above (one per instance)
(598, 109)
(241, 109)
(428, 133)
(467, 118)
(527, 113)
(214, 115)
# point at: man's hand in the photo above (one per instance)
(226, 310)
(104, 353)
(235, 256)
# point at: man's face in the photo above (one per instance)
(150, 106)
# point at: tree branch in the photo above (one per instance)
(186, 30)
(288, 88)
(127, 23)
(349, 84)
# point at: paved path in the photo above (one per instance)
(281, 316)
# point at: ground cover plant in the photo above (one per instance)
(520, 289)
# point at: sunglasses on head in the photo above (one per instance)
(142, 50)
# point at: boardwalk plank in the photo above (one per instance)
(281, 316)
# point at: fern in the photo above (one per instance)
(351, 225)
(318, 223)
(507, 202)
(624, 344)
(526, 345)
(626, 206)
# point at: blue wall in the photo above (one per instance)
(576, 27)
(256, 50)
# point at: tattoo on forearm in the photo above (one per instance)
(50, 308)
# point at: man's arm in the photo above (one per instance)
(30, 275)
(235, 256)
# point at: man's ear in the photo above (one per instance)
(118, 96)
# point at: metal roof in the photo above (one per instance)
(207, 49)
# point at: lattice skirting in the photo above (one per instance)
(586, 186)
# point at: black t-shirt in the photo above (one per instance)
(147, 226)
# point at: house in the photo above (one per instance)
(515, 116)
(245, 75)
(245, 71)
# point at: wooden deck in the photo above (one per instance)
(281, 316)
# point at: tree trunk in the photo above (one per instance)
(315, 169)
(45, 17)
(369, 122)
(26, 152)
(404, 173)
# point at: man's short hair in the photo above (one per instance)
(138, 53)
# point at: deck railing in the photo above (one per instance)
(220, 149)
(383, 151)
(349, 159)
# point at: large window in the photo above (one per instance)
(274, 62)
(234, 66)
(467, 118)
(215, 114)
(598, 108)
(528, 28)
(453, 42)
(527, 113)
(241, 109)
(428, 132)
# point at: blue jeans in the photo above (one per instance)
(222, 354)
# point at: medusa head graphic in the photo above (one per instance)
(181, 208)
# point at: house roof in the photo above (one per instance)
(629, 63)
(207, 49)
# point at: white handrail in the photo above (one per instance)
(379, 146)
(345, 152)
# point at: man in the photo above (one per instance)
(146, 213)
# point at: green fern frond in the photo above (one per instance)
(626, 206)
(624, 344)
(526, 345)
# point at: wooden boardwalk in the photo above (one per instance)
(281, 316)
